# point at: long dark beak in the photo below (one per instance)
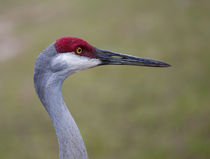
(114, 58)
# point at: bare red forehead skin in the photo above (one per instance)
(69, 44)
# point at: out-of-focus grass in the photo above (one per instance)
(123, 112)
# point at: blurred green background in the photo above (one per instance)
(122, 111)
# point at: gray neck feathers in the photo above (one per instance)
(49, 89)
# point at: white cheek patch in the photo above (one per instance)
(73, 63)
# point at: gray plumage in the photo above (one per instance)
(53, 67)
(48, 86)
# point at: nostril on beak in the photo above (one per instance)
(117, 57)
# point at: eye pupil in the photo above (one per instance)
(79, 50)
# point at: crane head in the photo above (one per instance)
(74, 54)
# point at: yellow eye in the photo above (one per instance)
(78, 50)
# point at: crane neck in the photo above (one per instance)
(71, 145)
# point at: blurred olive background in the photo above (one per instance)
(122, 111)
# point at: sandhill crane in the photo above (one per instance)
(68, 55)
